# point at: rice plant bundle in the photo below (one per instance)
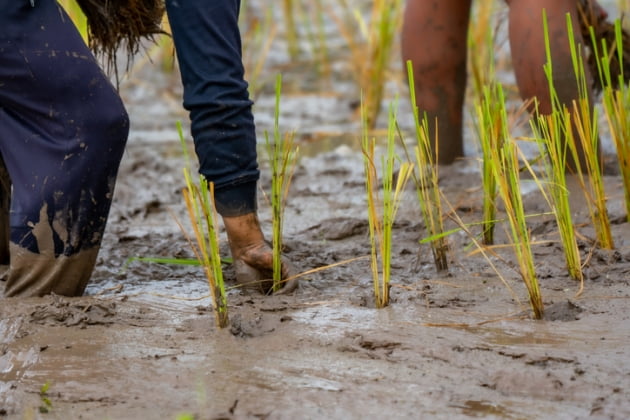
(595, 29)
(199, 199)
(616, 101)
(427, 188)
(381, 225)
(504, 165)
(551, 131)
(585, 122)
(282, 158)
(491, 132)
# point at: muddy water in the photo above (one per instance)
(461, 344)
(453, 345)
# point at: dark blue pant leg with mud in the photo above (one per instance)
(64, 130)
(208, 46)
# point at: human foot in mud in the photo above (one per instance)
(253, 257)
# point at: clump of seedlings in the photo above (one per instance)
(381, 222)
(427, 188)
(616, 101)
(199, 199)
(491, 132)
(282, 155)
(504, 166)
(489, 123)
(551, 134)
(584, 118)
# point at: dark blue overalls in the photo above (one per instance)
(63, 130)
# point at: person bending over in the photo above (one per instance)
(64, 130)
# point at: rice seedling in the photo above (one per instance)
(597, 29)
(282, 159)
(550, 134)
(371, 55)
(380, 226)
(616, 102)
(199, 199)
(489, 100)
(504, 164)
(427, 187)
(584, 118)
(491, 132)
(46, 404)
(593, 185)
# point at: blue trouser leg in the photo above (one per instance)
(208, 46)
(64, 130)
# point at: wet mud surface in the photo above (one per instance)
(450, 345)
(456, 344)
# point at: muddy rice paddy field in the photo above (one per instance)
(142, 344)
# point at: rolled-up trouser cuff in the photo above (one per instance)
(236, 200)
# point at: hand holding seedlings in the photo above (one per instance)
(253, 257)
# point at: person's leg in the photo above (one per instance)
(64, 129)
(528, 51)
(208, 46)
(434, 39)
(5, 204)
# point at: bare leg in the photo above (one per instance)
(528, 52)
(252, 255)
(434, 39)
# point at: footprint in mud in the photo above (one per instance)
(374, 348)
(252, 326)
(66, 312)
(339, 228)
(563, 311)
(530, 383)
